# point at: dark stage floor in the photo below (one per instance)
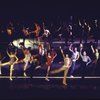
(38, 88)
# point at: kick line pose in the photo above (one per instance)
(65, 67)
(12, 62)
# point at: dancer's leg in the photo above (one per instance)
(4, 64)
(11, 70)
(58, 70)
(25, 66)
(65, 75)
(48, 70)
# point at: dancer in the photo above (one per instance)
(96, 30)
(37, 30)
(12, 62)
(46, 34)
(50, 58)
(85, 30)
(95, 61)
(65, 67)
(85, 62)
(75, 57)
(1, 59)
(33, 64)
(41, 53)
(26, 60)
(96, 53)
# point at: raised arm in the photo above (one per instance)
(16, 58)
(70, 48)
(62, 52)
(77, 56)
(8, 53)
(81, 48)
(81, 54)
(92, 49)
(80, 23)
(54, 56)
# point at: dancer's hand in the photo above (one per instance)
(60, 47)
(81, 45)
(91, 46)
(87, 64)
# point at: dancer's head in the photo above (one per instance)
(84, 53)
(42, 45)
(49, 54)
(26, 51)
(75, 49)
(66, 55)
(96, 50)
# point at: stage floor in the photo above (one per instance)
(38, 88)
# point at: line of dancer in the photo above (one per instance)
(45, 58)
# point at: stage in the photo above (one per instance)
(34, 86)
(38, 88)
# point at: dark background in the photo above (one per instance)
(39, 9)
